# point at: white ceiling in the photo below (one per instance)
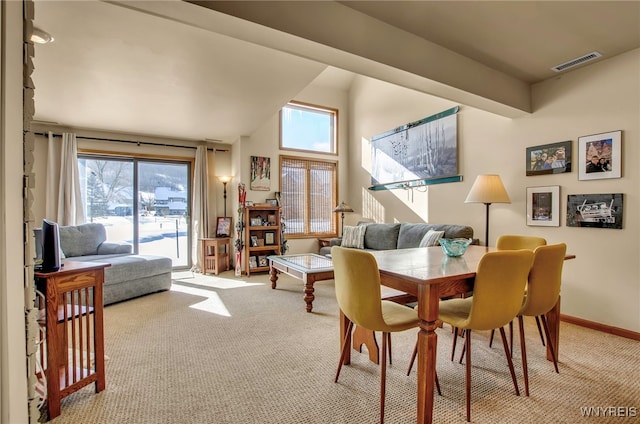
(180, 70)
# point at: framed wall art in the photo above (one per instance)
(543, 206)
(595, 210)
(260, 173)
(223, 227)
(554, 158)
(600, 156)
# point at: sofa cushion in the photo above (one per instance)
(381, 236)
(353, 237)
(411, 235)
(431, 238)
(80, 240)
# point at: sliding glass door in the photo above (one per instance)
(140, 201)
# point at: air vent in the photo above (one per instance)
(577, 61)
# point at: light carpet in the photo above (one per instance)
(232, 350)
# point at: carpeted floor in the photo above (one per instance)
(232, 350)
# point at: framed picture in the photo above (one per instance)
(254, 241)
(262, 261)
(269, 237)
(271, 219)
(260, 173)
(595, 210)
(543, 206)
(255, 221)
(554, 158)
(600, 156)
(253, 262)
(272, 202)
(223, 228)
(248, 203)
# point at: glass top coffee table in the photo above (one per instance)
(308, 267)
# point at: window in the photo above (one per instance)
(308, 128)
(308, 190)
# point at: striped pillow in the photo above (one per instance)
(431, 238)
(353, 236)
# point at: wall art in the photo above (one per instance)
(600, 156)
(543, 206)
(595, 210)
(260, 173)
(554, 158)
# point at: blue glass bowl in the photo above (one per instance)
(454, 247)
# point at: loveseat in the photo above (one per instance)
(400, 235)
(129, 275)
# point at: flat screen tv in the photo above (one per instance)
(50, 246)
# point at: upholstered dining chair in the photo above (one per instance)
(357, 285)
(498, 291)
(543, 291)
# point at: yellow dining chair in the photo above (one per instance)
(542, 295)
(497, 298)
(357, 285)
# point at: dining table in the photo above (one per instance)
(430, 275)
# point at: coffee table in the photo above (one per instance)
(308, 267)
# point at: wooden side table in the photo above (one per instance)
(214, 258)
(73, 317)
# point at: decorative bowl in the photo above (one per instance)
(454, 247)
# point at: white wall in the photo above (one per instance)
(602, 284)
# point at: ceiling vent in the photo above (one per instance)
(577, 61)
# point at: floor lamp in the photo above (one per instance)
(224, 180)
(342, 208)
(487, 189)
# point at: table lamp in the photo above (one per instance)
(342, 208)
(487, 189)
(224, 180)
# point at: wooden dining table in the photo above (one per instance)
(430, 275)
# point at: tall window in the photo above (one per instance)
(308, 190)
(308, 128)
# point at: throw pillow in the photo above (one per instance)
(431, 238)
(353, 236)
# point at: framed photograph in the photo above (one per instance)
(272, 202)
(262, 261)
(600, 156)
(223, 228)
(271, 219)
(255, 221)
(253, 262)
(248, 203)
(543, 206)
(260, 173)
(554, 158)
(254, 241)
(595, 210)
(269, 237)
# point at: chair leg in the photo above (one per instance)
(511, 337)
(464, 346)
(383, 375)
(389, 347)
(523, 350)
(438, 385)
(467, 344)
(455, 340)
(551, 348)
(345, 347)
(493, 332)
(413, 358)
(509, 361)
(540, 330)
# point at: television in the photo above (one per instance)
(48, 247)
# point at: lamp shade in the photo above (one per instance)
(343, 207)
(487, 189)
(224, 178)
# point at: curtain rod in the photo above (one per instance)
(150, 143)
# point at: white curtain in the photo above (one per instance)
(64, 200)
(200, 208)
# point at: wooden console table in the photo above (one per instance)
(73, 318)
(213, 258)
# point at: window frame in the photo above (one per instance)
(311, 108)
(306, 233)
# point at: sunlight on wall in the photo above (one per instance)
(365, 159)
(371, 208)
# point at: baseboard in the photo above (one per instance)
(601, 327)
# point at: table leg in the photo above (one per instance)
(428, 299)
(274, 276)
(553, 321)
(308, 291)
(344, 324)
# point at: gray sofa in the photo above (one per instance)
(129, 275)
(402, 235)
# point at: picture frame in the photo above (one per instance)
(255, 221)
(253, 262)
(254, 241)
(271, 219)
(600, 156)
(595, 210)
(543, 206)
(272, 202)
(269, 238)
(262, 261)
(248, 203)
(223, 226)
(260, 173)
(553, 158)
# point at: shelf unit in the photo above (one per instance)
(267, 231)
